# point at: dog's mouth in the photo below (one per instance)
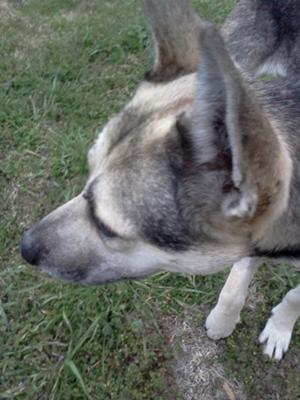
(76, 275)
(88, 277)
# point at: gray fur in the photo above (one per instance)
(263, 36)
(280, 100)
(199, 170)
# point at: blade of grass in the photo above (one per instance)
(73, 368)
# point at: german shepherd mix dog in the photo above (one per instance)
(200, 170)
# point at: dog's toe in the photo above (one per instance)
(276, 338)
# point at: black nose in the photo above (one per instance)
(30, 249)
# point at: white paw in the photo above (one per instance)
(277, 337)
(220, 325)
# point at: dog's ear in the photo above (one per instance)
(175, 30)
(228, 122)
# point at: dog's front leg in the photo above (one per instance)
(278, 331)
(226, 314)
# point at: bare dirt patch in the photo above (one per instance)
(6, 9)
(196, 368)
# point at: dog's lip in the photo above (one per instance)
(76, 277)
(115, 280)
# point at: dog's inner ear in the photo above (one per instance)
(175, 30)
(228, 123)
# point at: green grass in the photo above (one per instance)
(66, 66)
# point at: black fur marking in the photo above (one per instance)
(164, 240)
(101, 226)
(288, 252)
(286, 14)
(166, 227)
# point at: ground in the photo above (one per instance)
(66, 66)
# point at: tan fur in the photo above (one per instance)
(161, 96)
(277, 197)
(190, 176)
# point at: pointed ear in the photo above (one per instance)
(175, 30)
(228, 121)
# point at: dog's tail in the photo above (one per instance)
(264, 36)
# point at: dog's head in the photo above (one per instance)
(184, 178)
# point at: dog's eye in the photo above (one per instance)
(104, 229)
(100, 225)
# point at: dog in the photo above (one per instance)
(200, 169)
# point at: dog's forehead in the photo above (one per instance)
(148, 116)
